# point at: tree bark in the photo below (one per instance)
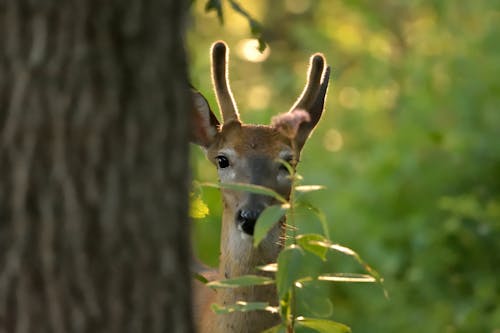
(93, 167)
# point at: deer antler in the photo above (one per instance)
(308, 96)
(317, 106)
(312, 98)
(221, 83)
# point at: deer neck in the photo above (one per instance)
(239, 256)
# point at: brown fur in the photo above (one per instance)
(239, 257)
(248, 139)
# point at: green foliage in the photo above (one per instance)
(200, 278)
(266, 220)
(291, 269)
(309, 243)
(407, 149)
(276, 329)
(322, 325)
(255, 26)
(215, 5)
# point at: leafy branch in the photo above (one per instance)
(255, 26)
(289, 269)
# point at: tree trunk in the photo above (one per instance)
(93, 167)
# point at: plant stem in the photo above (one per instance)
(294, 236)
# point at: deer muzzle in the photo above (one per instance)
(246, 218)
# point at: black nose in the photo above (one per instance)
(246, 220)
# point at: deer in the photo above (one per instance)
(251, 154)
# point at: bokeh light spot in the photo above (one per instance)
(380, 47)
(333, 140)
(258, 97)
(349, 97)
(248, 49)
(388, 96)
(349, 36)
(297, 6)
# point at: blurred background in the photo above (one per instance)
(408, 148)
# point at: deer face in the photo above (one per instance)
(251, 153)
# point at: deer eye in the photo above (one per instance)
(222, 161)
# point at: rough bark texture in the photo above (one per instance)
(93, 167)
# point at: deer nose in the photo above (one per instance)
(246, 218)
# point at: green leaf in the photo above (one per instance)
(262, 44)
(243, 307)
(198, 209)
(216, 6)
(289, 269)
(255, 27)
(319, 214)
(314, 298)
(281, 328)
(241, 281)
(346, 277)
(308, 243)
(322, 325)
(352, 253)
(257, 189)
(240, 10)
(287, 165)
(200, 278)
(267, 220)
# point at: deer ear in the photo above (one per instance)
(204, 124)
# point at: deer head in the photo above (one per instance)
(251, 154)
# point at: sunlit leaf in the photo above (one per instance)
(257, 189)
(322, 325)
(342, 249)
(241, 281)
(269, 268)
(308, 243)
(350, 252)
(243, 307)
(198, 209)
(308, 188)
(346, 277)
(267, 220)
